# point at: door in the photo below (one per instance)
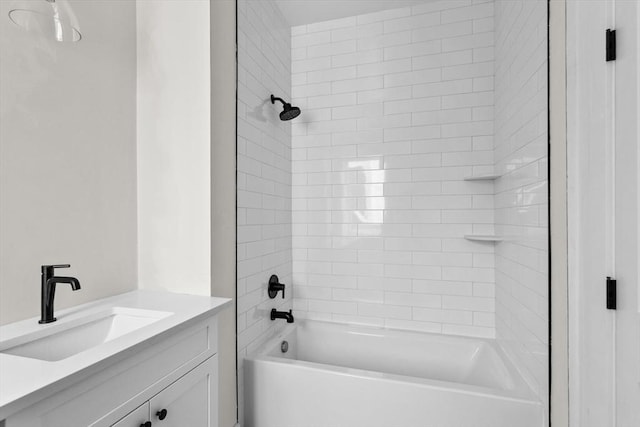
(627, 212)
(604, 207)
(190, 401)
(136, 418)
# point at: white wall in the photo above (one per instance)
(264, 172)
(397, 110)
(174, 108)
(68, 158)
(521, 199)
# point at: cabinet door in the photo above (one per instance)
(190, 401)
(136, 418)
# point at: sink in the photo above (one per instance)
(63, 340)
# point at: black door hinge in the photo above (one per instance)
(611, 45)
(612, 292)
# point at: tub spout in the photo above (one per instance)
(282, 315)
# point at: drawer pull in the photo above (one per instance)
(162, 414)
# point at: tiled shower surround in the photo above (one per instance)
(521, 196)
(264, 173)
(397, 111)
(361, 204)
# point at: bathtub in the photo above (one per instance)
(336, 375)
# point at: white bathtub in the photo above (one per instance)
(336, 375)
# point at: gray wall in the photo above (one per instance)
(223, 196)
(68, 158)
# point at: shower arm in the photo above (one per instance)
(274, 99)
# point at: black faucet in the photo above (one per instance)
(48, 290)
(282, 315)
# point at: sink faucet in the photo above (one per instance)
(48, 290)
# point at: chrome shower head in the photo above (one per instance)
(289, 112)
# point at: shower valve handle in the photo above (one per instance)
(275, 286)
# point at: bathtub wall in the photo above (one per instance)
(397, 110)
(521, 198)
(264, 172)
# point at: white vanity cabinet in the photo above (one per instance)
(174, 370)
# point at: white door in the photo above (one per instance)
(190, 401)
(627, 211)
(604, 208)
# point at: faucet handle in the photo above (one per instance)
(275, 286)
(48, 269)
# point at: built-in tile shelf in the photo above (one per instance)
(481, 178)
(484, 238)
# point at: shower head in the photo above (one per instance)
(289, 112)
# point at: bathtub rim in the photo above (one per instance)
(522, 392)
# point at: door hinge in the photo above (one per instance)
(611, 45)
(612, 292)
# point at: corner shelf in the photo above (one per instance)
(481, 178)
(483, 238)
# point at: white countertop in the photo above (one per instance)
(25, 381)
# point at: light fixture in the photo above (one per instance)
(53, 19)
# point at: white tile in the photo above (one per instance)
(445, 31)
(330, 75)
(381, 95)
(483, 25)
(443, 59)
(468, 303)
(357, 58)
(304, 40)
(412, 50)
(411, 22)
(332, 24)
(477, 11)
(329, 49)
(383, 15)
(413, 105)
(386, 40)
(356, 85)
(386, 67)
(413, 300)
(389, 130)
(459, 317)
(324, 101)
(443, 88)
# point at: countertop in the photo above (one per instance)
(25, 381)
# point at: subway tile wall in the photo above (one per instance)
(264, 173)
(397, 110)
(521, 199)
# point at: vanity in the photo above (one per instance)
(140, 359)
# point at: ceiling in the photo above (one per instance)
(301, 12)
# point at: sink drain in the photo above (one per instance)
(284, 346)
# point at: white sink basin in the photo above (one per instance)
(60, 341)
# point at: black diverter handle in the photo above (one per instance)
(275, 286)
